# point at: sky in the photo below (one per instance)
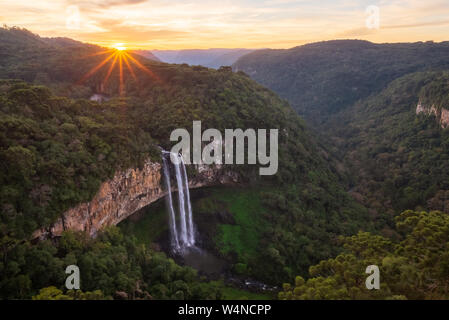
(177, 24)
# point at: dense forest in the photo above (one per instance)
(397, 159)
(111, 266)
(320, 79)
(211, 58)
(333, 207)
(362, 100)
(378, 110)
(414, 267)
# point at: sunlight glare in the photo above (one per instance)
(119, 47)
(119, 55)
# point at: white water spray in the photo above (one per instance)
(184, 235)
(191, 231)
(172, 217)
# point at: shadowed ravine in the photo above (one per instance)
(151, 226)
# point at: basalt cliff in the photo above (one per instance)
(127, 192)
(442, 114)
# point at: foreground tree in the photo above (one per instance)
(416, 267)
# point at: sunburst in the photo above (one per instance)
(119, 46)
(118, 54)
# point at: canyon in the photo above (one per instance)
(127, 192)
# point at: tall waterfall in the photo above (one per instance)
(182, 235)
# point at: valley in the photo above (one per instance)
(211, 58)
(151, 227)
(362, 173)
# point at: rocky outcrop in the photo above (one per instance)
(444, 118)
(442, 115)
(126, 193)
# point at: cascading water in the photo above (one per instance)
(172, 217)
(182, 236)
(191, 232)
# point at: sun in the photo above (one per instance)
(119, 46)
(117, 55)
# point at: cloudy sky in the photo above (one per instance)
(176, 24)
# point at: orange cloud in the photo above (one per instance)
(162, 24)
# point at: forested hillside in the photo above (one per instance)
(362, 100)
(381, 110)
(320, 79)
(68, 67)
(398, 159)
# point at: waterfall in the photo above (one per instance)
(182, 236)
(191, 232)
(172, 218)
(181, 202)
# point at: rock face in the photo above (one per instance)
(441, 115)
(125, 194)
(444, 118)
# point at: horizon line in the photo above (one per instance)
(130, 48)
